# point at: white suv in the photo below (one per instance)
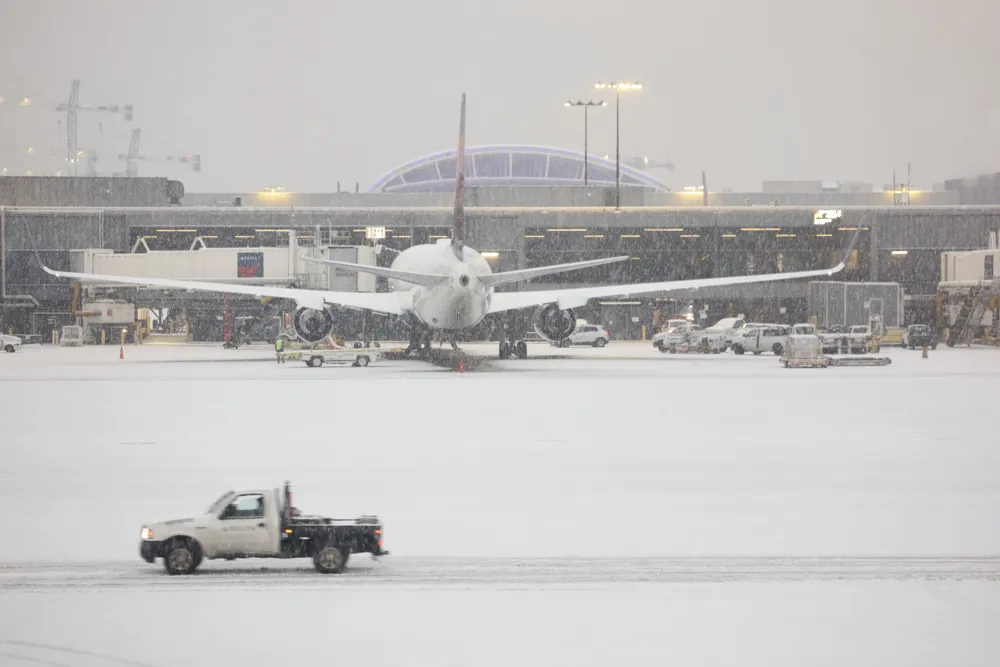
(586, 334)
(10, 343)
(770, 338)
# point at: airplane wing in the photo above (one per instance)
(426, 279)
(382, 302)
(505, 277)
(577, 297)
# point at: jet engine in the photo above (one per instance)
(312, 325)
(553, 324)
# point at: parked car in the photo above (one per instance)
(10, 343)
(918, 335)
(587, 334)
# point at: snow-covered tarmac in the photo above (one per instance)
(577, 507)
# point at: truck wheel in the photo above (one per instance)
(778, 349)
(9, 349)
(181, 558)
(600, 342)
(330, 560)
(361, 361)
(738, 349)
(315, 362)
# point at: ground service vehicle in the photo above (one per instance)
(317, 357)
(803, 350)
(762, 339)
(259, 524)
(689, 337)
(918, 335)
(856, 340)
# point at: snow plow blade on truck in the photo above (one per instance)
(259, 523)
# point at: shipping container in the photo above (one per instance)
(854, 304)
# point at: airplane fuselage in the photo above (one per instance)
(459, 301)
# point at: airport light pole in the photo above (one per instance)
(586, 107)
(618, 87)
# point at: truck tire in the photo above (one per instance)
(361, 361)
(778, 349)
(738, 349)
(9, 349)
(315, 362)
(181, 557)
(330, 559)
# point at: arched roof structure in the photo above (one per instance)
(506, 166)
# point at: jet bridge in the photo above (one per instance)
(243, 265)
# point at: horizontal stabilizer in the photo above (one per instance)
(495, 279)
(425, 279)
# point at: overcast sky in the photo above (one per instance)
(302, 94)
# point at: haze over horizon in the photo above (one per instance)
(307, 94)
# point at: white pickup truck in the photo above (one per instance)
(856, 340)
(259, 523)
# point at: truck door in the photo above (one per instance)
(243, 526)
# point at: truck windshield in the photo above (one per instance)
(216, 506)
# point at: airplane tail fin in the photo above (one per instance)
(458, 217)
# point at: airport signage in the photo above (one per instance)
(250, 265)
(824, 217)
(374, 233)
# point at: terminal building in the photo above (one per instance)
(526, 206)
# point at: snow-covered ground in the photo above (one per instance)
(577, 507)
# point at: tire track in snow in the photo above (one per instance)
(423, 573)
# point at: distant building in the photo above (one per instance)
(509, 166)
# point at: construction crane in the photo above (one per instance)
(133, 156)
(71, 108)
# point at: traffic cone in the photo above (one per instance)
(121, 352)
(461, 365)
(925, 351)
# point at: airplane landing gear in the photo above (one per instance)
(420, 343)
(518, 348)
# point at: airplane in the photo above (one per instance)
(447, 287)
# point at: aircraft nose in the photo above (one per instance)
(463, 280)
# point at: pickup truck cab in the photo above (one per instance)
(259, 523)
